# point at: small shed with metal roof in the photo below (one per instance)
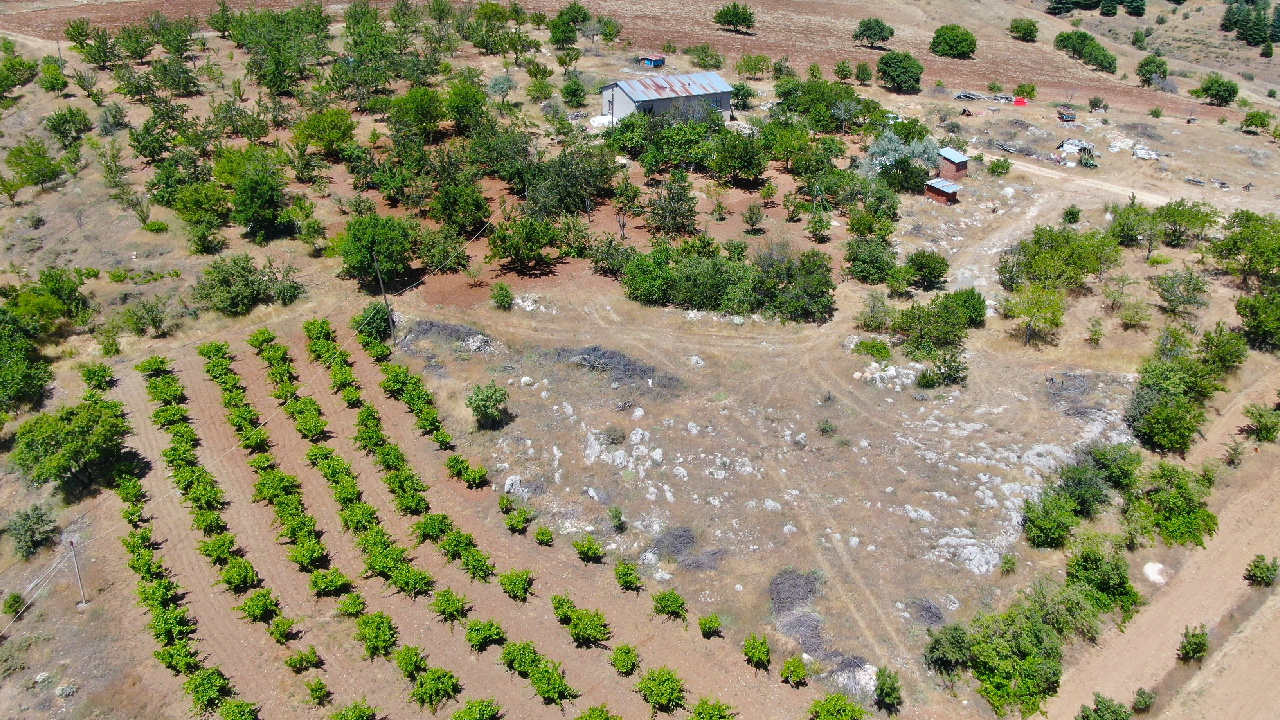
(952, 164)
(653, 61)
(657, 95)
(942, 190)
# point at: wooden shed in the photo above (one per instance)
(952, 164)
(942, 190)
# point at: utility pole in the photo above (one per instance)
(377, 268)
(76, 563)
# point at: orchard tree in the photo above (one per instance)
(735, 17)
(953, 41)
(1151, 67)
(1217, 90)
(31, 161)
(872, 32)
(374, 244)
(488, 403)
(1024, 29)
(900, 71)
(863, 74)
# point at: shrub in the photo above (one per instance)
(563, 608)
(483, 633)
(589, 549)
(625, 659)
(239, 576)
(543, 536)
(547, 679)
(477, 565)
(501, 296)
(1026, 90)
(318, 692)
(434, 687)
(1024, 29)
(234, 285)
(378, 634)
(588, 627)
(879, 350)
(929, 269)
(671, 604)
(794, 672)
(1260, 572)
(1104, 708)
(31, 529)
(662, 689)
(450, 606)
(1266, 422)
(953, 41)
(888, 691)
(1143, 699)
(13, 604)
(518, 520)
(1194, 645)
(999, 167)
(517, 584)
(488, 403)
(303, 660)
(756, 650)
(520, 657)
(1216, 89)
(709, 625)
(208, 688)
(628, 576)
(836, 707)
(358, 710)
(478, 710)
(709, 709)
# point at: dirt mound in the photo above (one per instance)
(621, 368)
(791, 589)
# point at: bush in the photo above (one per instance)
(563, 608)
(31, 529)
(929, 269)
(756, 650)
(1261, 573)
(478, 710)
(234, 285)
(671, 604)
(709, 625)
(879, 350)
(483, 633)
(1024, 29)
(378, 634)
(517, 584)
(1026, 90)
(888, 691)
(708, 709)
(662, 689)
(501, 296)
(589, 549)
(899, 71)
(1143, 700)
(836, 707)
(13, 604)
(999, 167)
(1266, 422)
(1216, 89)
(953, 41)
(488, 403)
(1104, 708)
(794, 672)
(588, 628)
(450, 606)
(625, 659)
(434, 687)
(628, 576)
(1194, 645)
(358, 710)
(303, 660)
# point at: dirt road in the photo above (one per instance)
(1144, 196)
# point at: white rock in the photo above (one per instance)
(1154, 572)
(662, 576)
(526, 381)
(771, 505)
(853, 542)
(789, 529)
(637, 413)
(696, 361)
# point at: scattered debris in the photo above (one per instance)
(1193, 181)
(620, 368)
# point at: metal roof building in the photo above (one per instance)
(655, 95)
(941, 190)
(953, 155)
(954, 165)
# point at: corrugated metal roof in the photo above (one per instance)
(673, 86)
(944, 185)
(953, 155)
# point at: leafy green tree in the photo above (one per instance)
(488, 403)
(234, 285)
(1181, 289)
(563, 33)
(888, 691)
(31, 161)
(1260, 572)
(501, 296)
(257, 197)
(68, 125)
(1024, 29)
(737, 157)
(899, 71)
(873, 31)
(794, 672)
(863, 73)
(1041, 308)
(928, 268)
(1216, 89)
(673, 208)
(735, 17)
(378, 247)
(329, 130)
(953, 41)
(74, 446)
(1150, 68)
(1048, 521)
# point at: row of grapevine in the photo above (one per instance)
(383, 556)
(171, 623)
(200, 489)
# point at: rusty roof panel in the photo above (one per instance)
(674, 86)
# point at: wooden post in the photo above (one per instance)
(76, 564)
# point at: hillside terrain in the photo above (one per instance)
(358, 364)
